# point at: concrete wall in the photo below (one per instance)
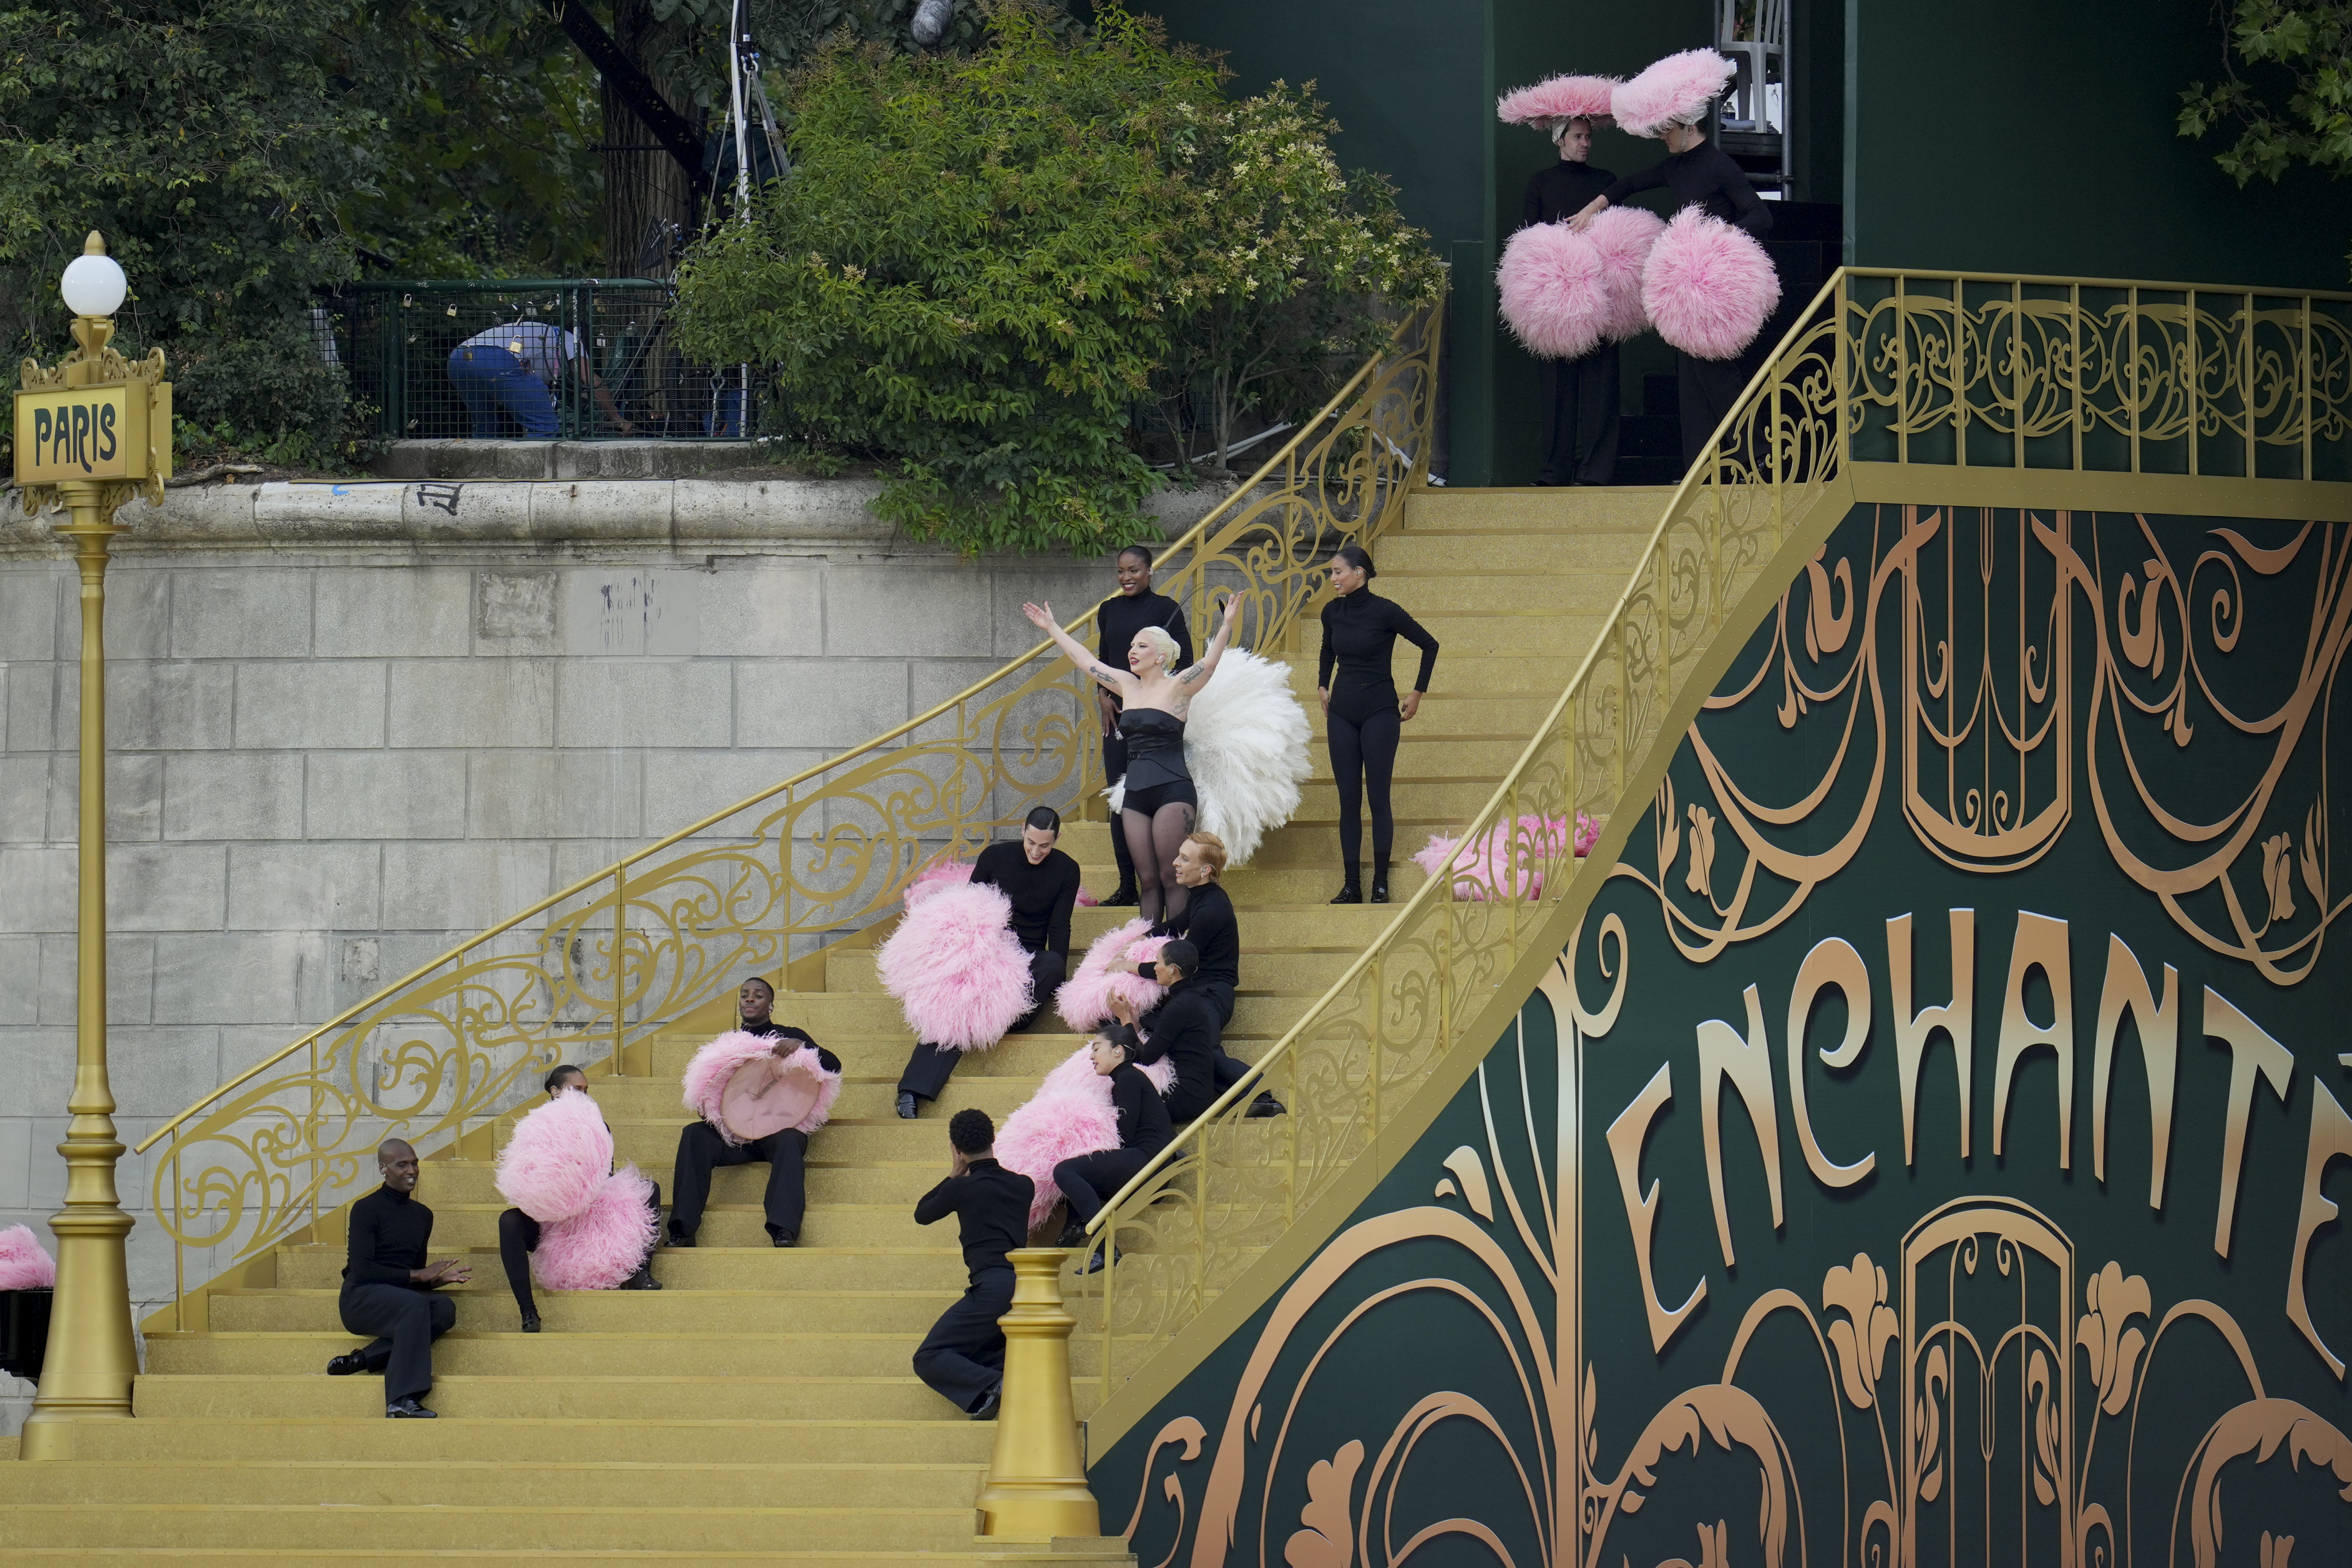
(351, 726)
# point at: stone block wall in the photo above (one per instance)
(352, 726)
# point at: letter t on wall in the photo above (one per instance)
(2249, 1049)
(2331, 1139)
(1626, 1135)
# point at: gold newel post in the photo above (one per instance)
(91, 432)
(1036, 1486)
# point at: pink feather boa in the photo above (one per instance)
(1478, 868)
(1070, 1114)
(557, 1158)
(24, 1263)
(1557, 98)
(1551, 290)
(1084, 999)
(705, 1083)
(1674, 88)
(1708, 286)
(604, 1243)
(1622, 236)
(957, 970)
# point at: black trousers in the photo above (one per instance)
(1707, 389)
(962, 1358)
(1090, 1180)
(701, 1150)
(406, 1322)
(1220, 995)
(1115, 770)
(518, 1238)
(928, 1067)
(1581, 403)
(1362, 733)
(1225, 1071)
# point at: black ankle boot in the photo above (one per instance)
(1352, 890)
(1380, 882)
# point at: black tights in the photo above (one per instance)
(1153, 840)
(1363, 760)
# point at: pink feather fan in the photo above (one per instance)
(1084, 999)
(1708, 287)
(705, 1083)
(24, 1263)
(1674, 89)
(956, 968)
(936, 877)
(1556, 99)
(557, 1158)
(1480, 867)
(1070, 1114)
(1623, 237)
(603, 1244)
(1552, 291)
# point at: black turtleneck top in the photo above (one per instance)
(1143, 1121)
(991, 1209)
(1208, 924)
(1705, 174)
(771, 1029)
(1561, 191)
(389, 1233)
(1123, 615)
(1043, 896)
(1359, 634)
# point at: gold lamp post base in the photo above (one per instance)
(1036, 1486)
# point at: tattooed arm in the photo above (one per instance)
(1041, 616)
(1192, 677)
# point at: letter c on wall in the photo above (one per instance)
(1833, 962)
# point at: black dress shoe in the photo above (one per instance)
(347, 1363)
(1352, 894)
(1094, 1264)
(1379, 890)
(1124, 898)
(987, 1411)
(643, 1280)
(410, 1410)
(906, 1107)
(784, 1238)
(680, 1239)
(1073, 1235)
(1262, 1107)
(530, 1322)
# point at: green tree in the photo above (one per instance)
(970, 271)
(2300, 49)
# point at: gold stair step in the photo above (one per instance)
(464, 1397)
(855, 1439)
(869, 1349)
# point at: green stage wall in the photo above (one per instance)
(2022, 135)
(1929, 1148)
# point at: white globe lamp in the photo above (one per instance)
(93, 284)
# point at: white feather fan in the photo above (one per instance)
(1246, 744)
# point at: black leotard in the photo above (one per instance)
(1156, 774)
(1707, 175)
(1359, 634)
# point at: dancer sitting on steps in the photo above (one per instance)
(962, 1358)
(701, 1147)
(1159, 805)
(1089, 1181)
(519, 1233)
(1185, 1028)
(388, 1287)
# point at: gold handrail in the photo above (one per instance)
(1227, 1186)
(451, 1044)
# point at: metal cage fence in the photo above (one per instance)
(610, 338)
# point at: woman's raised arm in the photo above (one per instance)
(1042, 617)
(1191, 676)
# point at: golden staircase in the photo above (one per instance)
(760, 1408)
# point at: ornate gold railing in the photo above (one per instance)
(1890, 387)
(582, 975)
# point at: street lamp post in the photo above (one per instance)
(91, 432)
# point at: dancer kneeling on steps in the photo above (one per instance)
(388, 1287)
(962, 1358)
(761, 1090)
(1089, 1181)
(1041, 884)
(521, 1233)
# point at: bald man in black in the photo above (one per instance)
(388, 1287)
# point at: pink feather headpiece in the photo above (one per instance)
(1672, 91)
(1708, 287)
(24, 1263)
(1555, 100)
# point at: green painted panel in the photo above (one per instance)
(2078, 1304)
(2020, 135)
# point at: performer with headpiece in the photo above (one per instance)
(1539, 278)
(1708, 286)
(761, 1090)
(572, 1213)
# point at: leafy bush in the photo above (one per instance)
(265, 394)
(982, 265)
(2305, 46)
